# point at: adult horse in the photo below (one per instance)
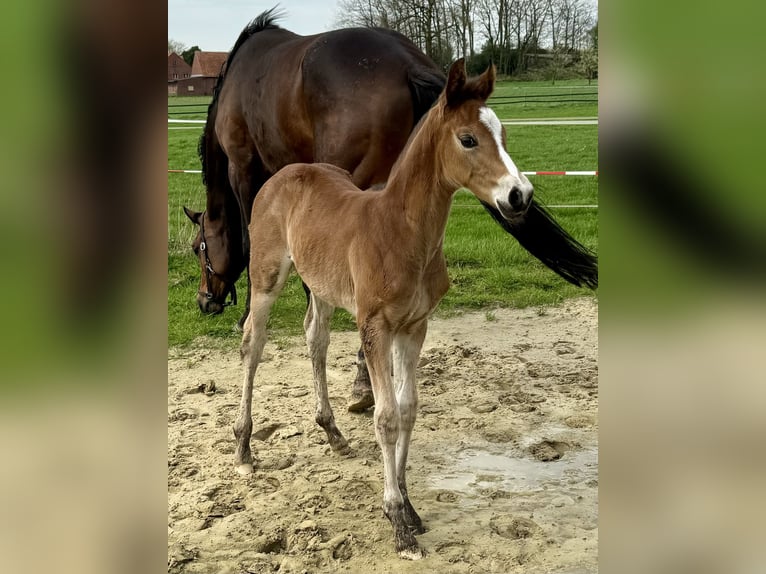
(347, 97)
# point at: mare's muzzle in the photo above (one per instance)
(211, 305)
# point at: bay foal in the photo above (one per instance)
(378, 255)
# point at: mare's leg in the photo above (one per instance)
(407, 345)
(361, 393)
(246, 312)
(247, 175)
(317, 327)
(377, 340)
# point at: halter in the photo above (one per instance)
(209, 272)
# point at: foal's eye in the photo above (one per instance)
(468, 141)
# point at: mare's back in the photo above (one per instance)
(343, 97)
(358, 94)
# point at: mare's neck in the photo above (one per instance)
(223, 211)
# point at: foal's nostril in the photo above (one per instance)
(516, 198)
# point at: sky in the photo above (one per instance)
(214, 25)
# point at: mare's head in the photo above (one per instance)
(218, 276)
(472, 145)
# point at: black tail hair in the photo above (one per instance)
(425, 86)
(543, 237)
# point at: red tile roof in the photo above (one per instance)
(208, 63)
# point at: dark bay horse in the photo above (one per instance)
(349, 98)
(391, 292)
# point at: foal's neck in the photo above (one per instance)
(416, 188)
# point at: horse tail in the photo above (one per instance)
(425, 86)
(543, 237)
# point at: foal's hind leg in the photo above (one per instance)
(407, 347)
(317, 326)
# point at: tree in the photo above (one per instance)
(175, 46)
(511, 33)
(588, 64)
(188, 55)
(589, 59)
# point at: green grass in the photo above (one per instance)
(518, 109)
(487, 267)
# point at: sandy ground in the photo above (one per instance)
(502, 468)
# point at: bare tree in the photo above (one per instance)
(176, 46)
(507, 31)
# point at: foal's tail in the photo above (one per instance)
(544, 238)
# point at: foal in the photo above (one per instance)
(378, 255)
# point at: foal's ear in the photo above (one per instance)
(486, 83)
(193, 215)
(455, 83)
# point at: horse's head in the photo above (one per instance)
(473, 148)
(217, 276)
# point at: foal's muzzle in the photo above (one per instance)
(518, 201)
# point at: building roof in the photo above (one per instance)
(208, 63)
(177, 67)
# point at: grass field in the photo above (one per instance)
(487, 267)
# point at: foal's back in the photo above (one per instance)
(317, 212)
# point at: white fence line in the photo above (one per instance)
(549, 122)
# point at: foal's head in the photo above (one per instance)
(473, 144)
(217, 279)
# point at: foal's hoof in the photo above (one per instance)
(245, 469)
(412, 553)
(361, 401)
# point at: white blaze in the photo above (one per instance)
(489, 119)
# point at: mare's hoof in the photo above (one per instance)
(361, 401)
(245, 469)
(412, 553)
(340, 446)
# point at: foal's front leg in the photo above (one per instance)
(377, 341)
(253, 341)
(407, 347)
